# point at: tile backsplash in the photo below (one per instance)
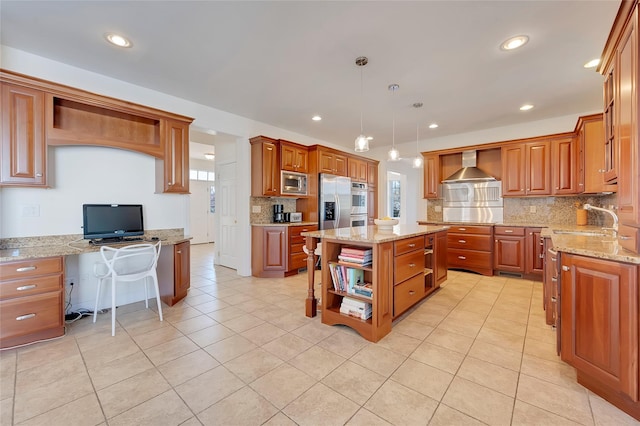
(544, 210)
(266, 204)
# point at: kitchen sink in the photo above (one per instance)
(583, 233)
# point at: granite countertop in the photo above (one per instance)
(372, 234)
(528, 225)
(65, 245)
(285, 224)
(599, 246)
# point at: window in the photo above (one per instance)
(394, 194)
(203, 175)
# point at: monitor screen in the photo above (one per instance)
(112, 220)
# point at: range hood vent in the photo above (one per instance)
(469, 172)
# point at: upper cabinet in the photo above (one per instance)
(621, 70)
(358, 170)
(332, 161)
(565, 166)
(38, 113)
(265, 167)
(23, 144)
(526, 169)
(431, 175)
(294, 157)
(591, 139)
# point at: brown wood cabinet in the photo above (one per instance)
(590, 130)
(372, 173)
(470, 248)
(174, 272)
(265, 167)
(332, 161)
(600, 327)
(620, 66)
(372, 204)
(358, 170)
(431, 176)
(297, 258)
(550, 286)
(31, 300)
(269, 251)
(294, 157)
(174, 167)
(565, 166)
(534, 252)
(509, 249)
(526, 169)
(24, 153)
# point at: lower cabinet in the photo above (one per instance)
(599, 311)
(268, 251)
(470, 248)
(519, 250)
(174, 273)
(31, 300)
(297, 258)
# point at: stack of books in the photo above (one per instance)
(363, 289)
(355, 308)
(345, 278)
(357, 256)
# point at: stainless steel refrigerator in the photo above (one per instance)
(334, 201)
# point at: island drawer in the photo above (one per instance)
(407, 265)
(470, 242)
(408, 244)
(27, 315)
(407, 294)
(509, 230)
(469, 258)
(30, 267)
(29, 286)
(471, 229)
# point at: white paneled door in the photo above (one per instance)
(201, 213)
(226, 190)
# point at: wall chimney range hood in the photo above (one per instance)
(469, 172)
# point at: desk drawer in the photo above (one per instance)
(407, 294)
(30, 286)
(469, 259)
(408, 244)
(30, 267)
(27, 315)
(408, 265)
(470, 242)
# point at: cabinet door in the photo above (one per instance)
(627, 127)
(593, 142)
(372, 205)
(182, 268)
(372, 173)
(538, 168)
(327, 162)
(600, 320)
(275, 249)
(288, 157)
(565, 163)
(176, 157)
(270, 170)
(302, 160)
(513, 170)
(440, 258)
(431, 175)
(23, 160)
(509, 254)
(341, 165)
(534, 252)
(610, 172)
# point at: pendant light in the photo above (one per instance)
(394, 154)
(361, 142)
(417, 161)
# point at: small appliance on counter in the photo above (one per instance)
(295, 217)
(278, 213)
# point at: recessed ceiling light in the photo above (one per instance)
(433, 126)
(526, 107)
(592, 63)
(316, 118)
(118, 40)
(209, 156)
(514, 42)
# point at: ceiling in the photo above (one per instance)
(282, 62)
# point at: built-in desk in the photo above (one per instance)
(33, 272)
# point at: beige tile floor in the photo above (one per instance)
(239, 351)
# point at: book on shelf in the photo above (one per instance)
(353, 312)
(356, 251)
(360, 261)
(345, 278)
(355, 303)
(364, 289)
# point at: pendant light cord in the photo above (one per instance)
(361, 101)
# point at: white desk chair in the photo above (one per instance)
(316, 252)
(127, 264)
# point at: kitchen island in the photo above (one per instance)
(404, 269)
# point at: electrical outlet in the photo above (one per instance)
(256, 209)
(30, 210)
(532, 209)
(437, 209)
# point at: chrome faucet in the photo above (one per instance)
(611, 212)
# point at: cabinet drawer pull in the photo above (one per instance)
(554, 259)
(38, 174)
(462, 258)
(554, 279)
(541, 256)
(553, 299)
(508, 231)
(553, 252)
(26, 269)
(412, 265)
(25, 317)
(26, 287)
(565, 268)
(624, 237)
(411, 293)
(462, 229)
(412, 245)
(179, 252)
(462, 241)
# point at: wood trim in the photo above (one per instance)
(622, 18)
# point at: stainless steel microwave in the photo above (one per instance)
(292, 183)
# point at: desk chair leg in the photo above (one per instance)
(113, 307)
(95, 309)
(154, 277)
(146, 293)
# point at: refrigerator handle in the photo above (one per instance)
(336, 221)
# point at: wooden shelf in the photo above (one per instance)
(428, 271)
(353, 296)
(346, 319)
(353, 265)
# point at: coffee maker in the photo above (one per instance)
(278, 213)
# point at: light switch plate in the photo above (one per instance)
(437, 208)
(532, 209)
(256, 209)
